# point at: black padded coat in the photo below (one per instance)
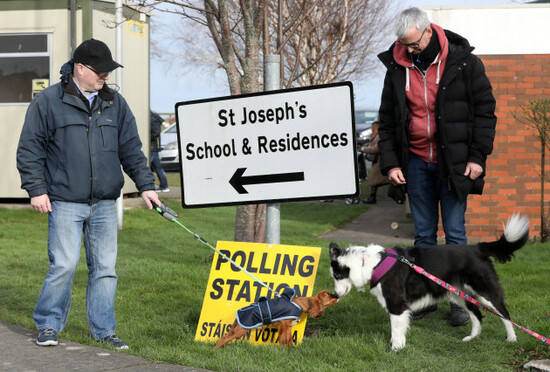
(465, 119)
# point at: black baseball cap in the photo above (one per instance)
(95, 53)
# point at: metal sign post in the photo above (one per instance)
(272, 81)
(118, 79)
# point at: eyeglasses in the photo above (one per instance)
(101, 75)
(414, 45)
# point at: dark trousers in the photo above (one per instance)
(427, 193)
(157, 168)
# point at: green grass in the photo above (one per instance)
(163, 272)
(173, 179)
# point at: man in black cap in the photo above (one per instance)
(76, 135)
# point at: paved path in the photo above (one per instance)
(18, 352)
(384, 223)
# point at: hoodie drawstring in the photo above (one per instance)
(438, 66)
(408, 77)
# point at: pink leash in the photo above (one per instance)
(467, 297)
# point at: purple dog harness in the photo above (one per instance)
(383, 266)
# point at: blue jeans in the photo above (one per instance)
(66, 223)
(427, 192)
(158, 169)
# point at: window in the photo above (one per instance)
(25, 61)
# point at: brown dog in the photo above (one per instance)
(314, 306)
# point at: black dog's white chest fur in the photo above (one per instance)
(402, 291)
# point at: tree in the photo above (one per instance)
(320, 41)
(536, 114)
(327, 41)
(235, 27)
(323, 41)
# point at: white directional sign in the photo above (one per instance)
(294, 144)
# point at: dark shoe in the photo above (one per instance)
(46, 337)
(422, 313)
(115, 342)
(459, 316)
(370, 200)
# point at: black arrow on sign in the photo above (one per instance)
(238, 181)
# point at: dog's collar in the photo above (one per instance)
(387, 262)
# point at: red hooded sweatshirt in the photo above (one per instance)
(421, 91)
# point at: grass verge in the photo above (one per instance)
(162, 279)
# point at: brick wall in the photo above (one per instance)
(513, 169)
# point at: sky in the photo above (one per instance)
(167, 88)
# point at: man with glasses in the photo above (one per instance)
(437, 126)
(76, 135)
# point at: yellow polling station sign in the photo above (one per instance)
(38, 85)
(230, 289)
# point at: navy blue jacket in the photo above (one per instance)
(74, 154)
(268, 311)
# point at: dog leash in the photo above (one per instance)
(172, 216)
(463, 295)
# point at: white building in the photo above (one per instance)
(37, 38)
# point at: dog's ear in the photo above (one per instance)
(334, 251)
(314, 307)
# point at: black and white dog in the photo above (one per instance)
(401, 290)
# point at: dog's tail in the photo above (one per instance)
(516, 234)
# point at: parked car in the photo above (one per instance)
(363, 122)
(168, 135)
(169, 155)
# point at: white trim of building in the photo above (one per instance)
(501, 29)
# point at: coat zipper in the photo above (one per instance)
(91, 162)
(429, 132)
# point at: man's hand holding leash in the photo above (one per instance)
(150, 196)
